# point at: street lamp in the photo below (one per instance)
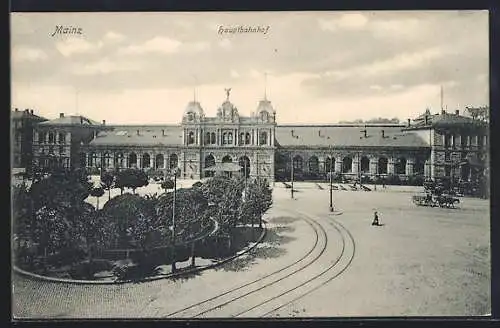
(331, 179)
(174, 172)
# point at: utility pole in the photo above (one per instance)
(331, 180)
(173, 222)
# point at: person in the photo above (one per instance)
(375, 219)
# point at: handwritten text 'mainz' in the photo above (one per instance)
(62, 30)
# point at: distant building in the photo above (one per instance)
(433, 146)
(22, 125)
(57, 143)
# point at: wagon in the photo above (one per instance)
(439, 200)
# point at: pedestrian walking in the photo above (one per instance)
(375, 219)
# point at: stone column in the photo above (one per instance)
(355, 164)
(373, 166)
(390, 165)
(338, 164)
(139, 160)
(409, 166)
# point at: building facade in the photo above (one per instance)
(22, 126)
(432, 146)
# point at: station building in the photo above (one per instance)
(443, 145)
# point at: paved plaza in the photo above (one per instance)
(421, 261)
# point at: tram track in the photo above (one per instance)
(208, 305)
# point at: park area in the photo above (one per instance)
(420, 261)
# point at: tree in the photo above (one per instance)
(92, 230)
(107, 180)
(167, 184)
(97, 192)
(225, 196)
(131, 178)
(190, 214)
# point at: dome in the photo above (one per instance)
(195, 108)
(265, 105)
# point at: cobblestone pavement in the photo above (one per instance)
(422, 261)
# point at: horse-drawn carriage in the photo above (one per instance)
(435, 200)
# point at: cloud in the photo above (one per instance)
(28, 54)
(165, 45)
(105, 66)
(225, 44)
(114, 37)
(71, 46)
(348, 21)
(234, 74)
(196, 46)
(155, 45)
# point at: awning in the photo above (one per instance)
(224, 167)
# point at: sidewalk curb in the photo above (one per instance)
(164, 276)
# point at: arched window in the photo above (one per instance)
(224, 138)
(230, 138)
(41, 137)
(241, 140)
(248, 138)
(52, 138)
(227, 159)
(159, 161)
(174, 161)
(365, 164)
(347, 164)
(313, 165)
(418, 167)
(62, 137)
(264, 116)
(207, 138)
(146, 160)
(382, 165)
(213, 138)
(190, 138)
(263, 138)
(132, 160)
(400, 166)
(298, 163)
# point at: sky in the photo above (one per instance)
(315, 67)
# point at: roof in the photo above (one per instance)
(71, 120)
(26, 114)
(157, 135)
(443, 120)
(347, 136)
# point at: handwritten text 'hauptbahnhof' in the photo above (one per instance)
(242, 29)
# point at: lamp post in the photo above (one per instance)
(331, 178)
(173, 172)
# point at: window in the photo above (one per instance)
(191, 138)
(297, 163)
(347, 165)
(61, 149)
(213, 138)
(447, 141)
(62, 138)
(382, 165)
(248, 138)
(52, 138)
(224, 138)
(41, 137)
(241, 140)
(207, 138)
(365, 164)
(447, 156)
(401, 166)
(263, 138)
(230, 138)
